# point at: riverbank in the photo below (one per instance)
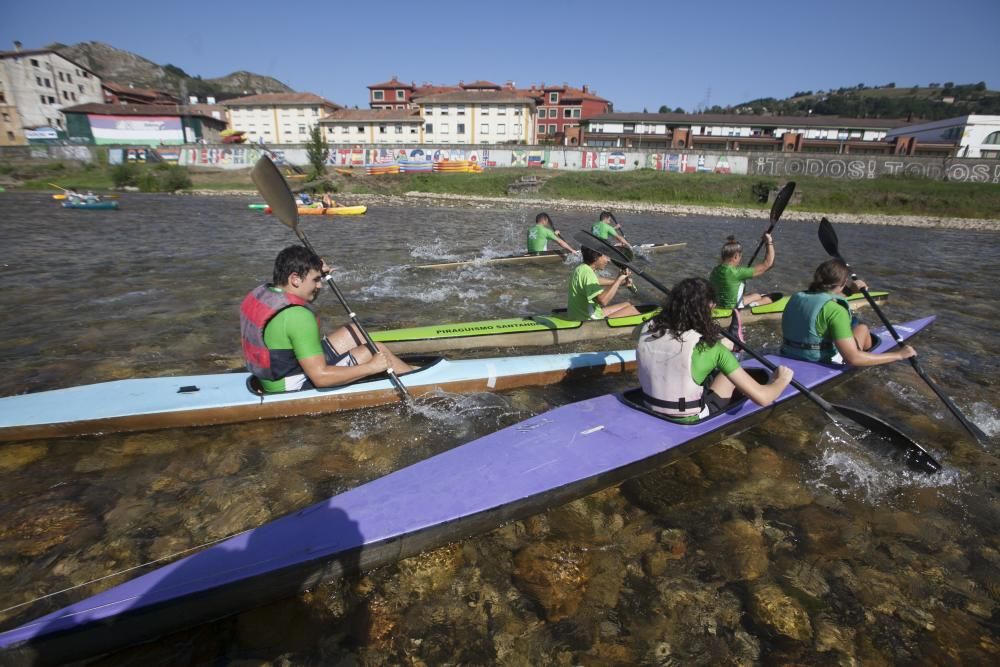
(550, 204)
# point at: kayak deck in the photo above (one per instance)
(552, 328)
(552, 458)
(199, 400)
(543, 256)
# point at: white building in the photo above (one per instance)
(34, 87)
(348, 127)
(975, 136)
(477, 117)
(278, 118)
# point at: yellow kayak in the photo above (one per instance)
(335, 210)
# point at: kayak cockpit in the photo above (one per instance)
(421, 362)
(633, 399)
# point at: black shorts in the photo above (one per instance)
(334, 358)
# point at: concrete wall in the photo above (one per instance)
(778, 165)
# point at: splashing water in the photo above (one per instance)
(848, 469)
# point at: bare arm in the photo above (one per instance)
(765, 266)
(605, 297)
(323, 375)
(761, 394)
(567, 247)
(848, 349)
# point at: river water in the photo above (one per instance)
(782, 545)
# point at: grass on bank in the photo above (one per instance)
(886, 195)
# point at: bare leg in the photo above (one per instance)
(862, 336)
(348, 338)
(619, 310)
(362, 354)
(756, 299)
(722, 386)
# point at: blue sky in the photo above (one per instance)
(639, 54)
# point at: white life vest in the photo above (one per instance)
(665, 373)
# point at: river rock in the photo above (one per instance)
(664, 491)
(555, 575)
(738, 551)
(771, 608)
(35, 528)
(768, 492)
(607, 577)
(430, 571)
(822, 531)
(15, 457)
(765, 462)
(574, 521)
(725, 462)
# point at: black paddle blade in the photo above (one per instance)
(913, 455)
(781, 201)
(828, 237)
(274, 189)
(588, 240)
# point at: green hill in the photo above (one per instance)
(932, 102)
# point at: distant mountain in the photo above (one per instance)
(932, 102)
(125, 67)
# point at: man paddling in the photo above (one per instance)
(728, 279)
(607, 227)
(590, 295)
(282, 343)
(540, 235)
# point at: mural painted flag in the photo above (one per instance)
(616, 161)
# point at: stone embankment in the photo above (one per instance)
(476, 201)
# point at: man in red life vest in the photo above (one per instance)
(282, 343)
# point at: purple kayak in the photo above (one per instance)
(550, 459)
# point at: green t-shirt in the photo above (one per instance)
(705, 360)
(295, 329)
(726, 281)
(602, 230)
(539, 237)
(834, 322)
(583, 290)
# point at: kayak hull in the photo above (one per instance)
(145, 404)
(93, 206)
(555, 457)
(553, 329)
(544, 257)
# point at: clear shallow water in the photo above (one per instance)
(781, 545)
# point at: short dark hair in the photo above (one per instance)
(829, 276)
(294, 259)
(542, 216)
(590, 255)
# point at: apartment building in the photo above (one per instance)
(563, 108)
(35, 85)
(477, 116)
(278, 118)
(348, 127)
(973, 136)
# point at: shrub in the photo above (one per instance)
(125, 174)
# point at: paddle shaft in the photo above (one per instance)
(761, 243)
(973, 430)
(777, 208)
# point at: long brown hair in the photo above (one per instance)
(829, 275)
(731, 248)
(688, 306)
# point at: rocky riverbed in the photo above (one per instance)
(475, 201)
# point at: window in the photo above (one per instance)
(34, 62)
(553, 129)
(429, 128)
(400, 94)
(38, 80)
(315, 111)
(65, 95)
(486, 109)
(378, 95)
(517, 128)
(413, 129)
(460, 128)
(571, 113)
(61, 77)
(542, 113)
(484, 128)
(541, 129)
(993, 138)
(517, 111)
(344, 129)
(429, 109)
(10, 135)
(553, 98)
(444, 109)
(69, 78)
(6, 116)
(501, 128)
(460, 110)
(399, 129)
(502, 110)
(52, 100)
(629, 127)
(73, 96)
(381, 129)
(361, 128)
(302, 129)
(48, 84)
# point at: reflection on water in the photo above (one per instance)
(782, 545)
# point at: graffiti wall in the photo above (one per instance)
(860, 168)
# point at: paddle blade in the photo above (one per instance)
(828, 237)
(781, 201)
(274, 190)
(913, 455)
(588, 240)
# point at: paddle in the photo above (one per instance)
(914, 454)
(76, 193)
(828, 237)
(274, 189)
(777, 208)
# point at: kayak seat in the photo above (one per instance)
(633, 399)
(254, 386)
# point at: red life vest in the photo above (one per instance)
(258, 308)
